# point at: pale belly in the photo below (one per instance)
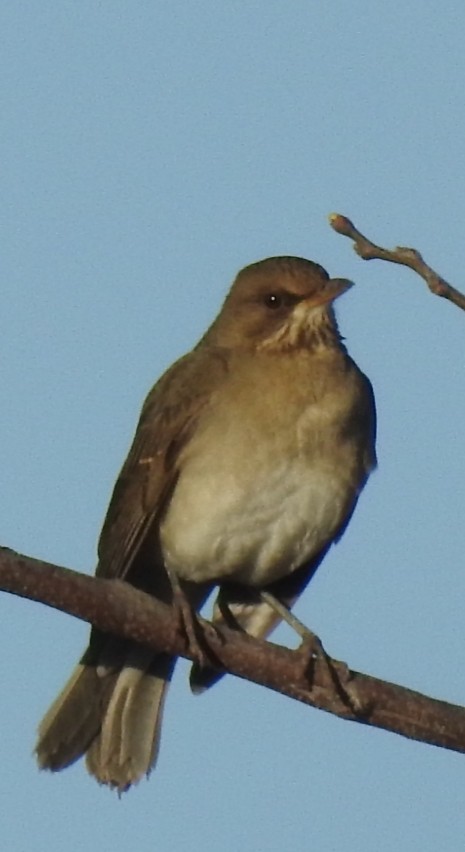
(254, 527)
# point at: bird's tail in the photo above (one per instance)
(110, 710)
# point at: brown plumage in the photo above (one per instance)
(247, 463)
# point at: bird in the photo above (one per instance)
(247, 463)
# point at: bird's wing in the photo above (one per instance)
(149, 473)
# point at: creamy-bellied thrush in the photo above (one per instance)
(247, 463)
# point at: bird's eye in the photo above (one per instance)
(273, 301)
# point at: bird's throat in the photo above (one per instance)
(311, 328)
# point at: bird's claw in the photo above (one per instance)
(332, 674)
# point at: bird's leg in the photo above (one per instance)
(335, 674)
(282, 610)
(187, 620)
(311, 646)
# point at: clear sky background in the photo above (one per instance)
(148, 151)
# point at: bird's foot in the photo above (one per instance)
(188, 623)
(332, 674)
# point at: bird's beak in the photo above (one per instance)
(333, 288)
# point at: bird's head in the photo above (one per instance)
(279, 303)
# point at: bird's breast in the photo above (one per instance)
(253, 532)
(260, 492)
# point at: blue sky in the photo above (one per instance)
(148, 151)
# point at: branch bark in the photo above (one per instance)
(404, 256)
(118, 608)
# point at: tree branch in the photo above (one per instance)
(404, 256)
(114, 606)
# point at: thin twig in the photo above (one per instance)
(404, 256)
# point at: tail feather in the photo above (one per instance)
(111, 713)
(72, 721)
(127, 745)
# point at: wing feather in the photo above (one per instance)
(169, 414)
